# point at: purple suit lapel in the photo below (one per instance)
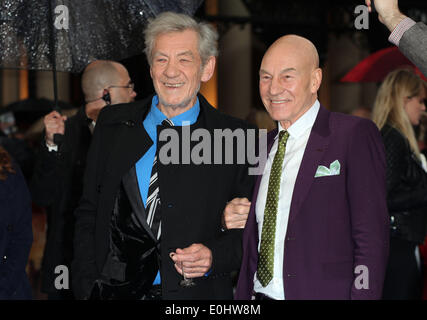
(314, 151)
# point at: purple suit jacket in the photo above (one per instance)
(336, 223)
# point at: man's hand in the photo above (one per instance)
(388, 12)
(236, 213)
(196, 260)
(54, 123)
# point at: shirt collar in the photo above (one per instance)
(306, 121)
(187, 118)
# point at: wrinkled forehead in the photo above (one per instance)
(186, 40)
(279, 61)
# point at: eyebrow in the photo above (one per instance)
(262, 71)
(185, 53)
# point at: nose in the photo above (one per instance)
(171, 70)
(275, 87)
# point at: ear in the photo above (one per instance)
(151, 73)
(316, 80)
(208, 69)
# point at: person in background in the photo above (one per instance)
(12, 139)
(409, 36)
(16, 233)
(57, 182)
(398, 106)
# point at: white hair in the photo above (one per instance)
(176, 22)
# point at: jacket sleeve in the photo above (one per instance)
(12, 268)
(227, 250)
(399, 161)
(83, 267)
(45, 182)
(408, 201)
(395, 151)
(413, 45)
(366, 191)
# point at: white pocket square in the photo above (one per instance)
(333, 170)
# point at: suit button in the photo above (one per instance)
(5, 258)
(170, 205)
(9, 227)
(291, 275)
(290, 239)
(98, 188)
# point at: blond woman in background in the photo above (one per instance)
(398, 107)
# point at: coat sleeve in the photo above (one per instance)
(396, 150)
(401, 167)
(413, 45)
(46, 185)
(227, 250)
(83, 267)
(45, 182)
(12, 269)
(366, 192)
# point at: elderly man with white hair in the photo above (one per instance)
(143, 225)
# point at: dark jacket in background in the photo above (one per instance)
(407, 205)
(406, 188)
(21, 153)
(57, 184)
(16, 237)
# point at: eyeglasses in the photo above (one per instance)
(131, 85)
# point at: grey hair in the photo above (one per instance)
(167, 22)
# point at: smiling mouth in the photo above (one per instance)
(173, 85)
(279, 101)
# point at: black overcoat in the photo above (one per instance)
(57, 184)
(193, 198)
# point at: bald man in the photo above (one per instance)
(318, 222)
(58, 176)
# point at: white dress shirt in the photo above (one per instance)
(299, 133)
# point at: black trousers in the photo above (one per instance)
(403, 280)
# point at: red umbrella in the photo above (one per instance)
(375, 67)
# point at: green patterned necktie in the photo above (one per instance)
(266, 253)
